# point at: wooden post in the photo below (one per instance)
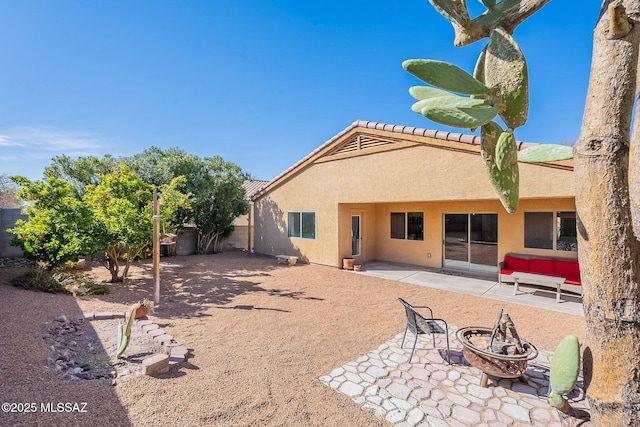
(156, 248)
(249, 228)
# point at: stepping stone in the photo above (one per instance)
(163, 338)
(103, 316)
(158, 363)
(156, 332)
(179, 351)
(174, 360)
(150, 327)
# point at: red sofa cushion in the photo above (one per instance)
(516, 264)
(570, 270)
(542, 266)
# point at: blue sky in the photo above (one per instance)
(260, 82)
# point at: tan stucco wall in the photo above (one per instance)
(239, 239)
(420, 173)
(429, 252)
(421, 178)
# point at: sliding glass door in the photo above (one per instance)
(456, 241)
(471, 242)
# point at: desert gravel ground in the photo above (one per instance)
(259, 333)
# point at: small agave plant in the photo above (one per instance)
(499, 86)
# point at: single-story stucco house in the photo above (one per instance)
(409, 195)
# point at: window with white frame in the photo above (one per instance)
(550, 230)
(301, 224)
(407, 225)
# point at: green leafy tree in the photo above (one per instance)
(60, 228)
(81, 171)
(215, 184)
(159, 167)
(114, 216)
(219, 203)
(123, 204)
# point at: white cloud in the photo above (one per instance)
(6, 141)
(51, 140)
(28, 150)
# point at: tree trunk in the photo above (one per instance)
(607, 249)
(204, 241)
(132, 253)
(112, 263)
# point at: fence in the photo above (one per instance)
(8, 218)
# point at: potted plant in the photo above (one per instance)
(347, 263)
(142, 308)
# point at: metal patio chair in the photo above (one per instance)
(419, 324)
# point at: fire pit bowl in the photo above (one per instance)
(490, 362)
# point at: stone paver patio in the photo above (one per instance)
(429, 392)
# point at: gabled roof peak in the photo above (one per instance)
(362, 125)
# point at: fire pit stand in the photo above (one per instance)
(495, 354)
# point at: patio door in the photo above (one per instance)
(356, 235)
(471, 242)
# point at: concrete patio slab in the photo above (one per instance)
(483, 286)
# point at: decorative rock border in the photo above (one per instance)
(175, 351)
(429, 392)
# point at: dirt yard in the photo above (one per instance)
(259, 333)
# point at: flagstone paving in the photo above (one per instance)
(429, 392)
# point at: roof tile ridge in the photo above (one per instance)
(417, 131)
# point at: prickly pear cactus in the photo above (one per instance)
(478, 71)
(444, 75)
(565, 367)
(488, 3)
(442, 105)
(456, 111)
(545, 153)
(505, 181)
(506, 151)
(505, 71)
(499, 86)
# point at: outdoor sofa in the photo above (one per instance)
(566, 268)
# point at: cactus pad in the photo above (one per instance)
(425, 92)
(545, 153)
(565, 365)
(556, 400)
(456, 111)
(506, 151)
(505, 72)
(478, 71)
(506, 181)
(444, 75)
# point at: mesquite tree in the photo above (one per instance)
(606, 168)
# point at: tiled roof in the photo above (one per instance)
(252, 186)
(410, 130)
(473, 140)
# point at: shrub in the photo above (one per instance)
(59, 282)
